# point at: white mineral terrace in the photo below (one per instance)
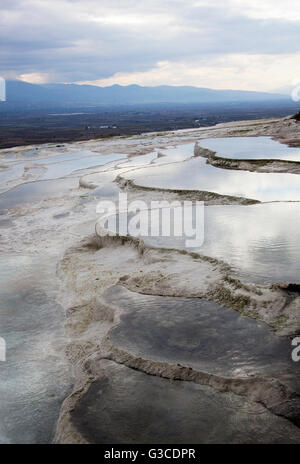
(106, 334)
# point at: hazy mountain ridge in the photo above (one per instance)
(19, 92)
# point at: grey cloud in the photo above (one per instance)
(62, 39)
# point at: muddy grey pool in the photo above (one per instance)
(125, 405)
(200, 334)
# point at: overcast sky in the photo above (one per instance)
(240, 44)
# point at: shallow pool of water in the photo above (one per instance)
(128, 406)
(260, 242)
(61, 169)
(36, 191)
(251, 148)
(53, 167)
(195, 174)
(35, 378)
(12, 172)
(200, 334)
(176, 153)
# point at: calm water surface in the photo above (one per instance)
(196, 174)
(260, 242)
(251, 148)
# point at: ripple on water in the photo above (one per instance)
(200, 334)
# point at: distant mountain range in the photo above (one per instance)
(23, 93)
